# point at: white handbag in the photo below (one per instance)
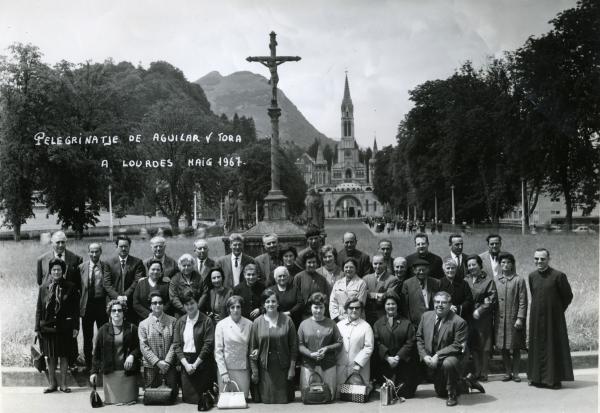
(232, 399)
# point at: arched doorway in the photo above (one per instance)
(348, 206)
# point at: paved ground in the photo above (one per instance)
(578, 396)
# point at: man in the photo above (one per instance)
(92, 307)
(455, 241)
(313, 242)
(234, 263)
(491, 266)
(418, 292)
(59, 250)
(378, 283)
(270, 260)
(159, 247)
(422, 252)
(441, 338)
(364, 262)
(125, 272)
(205, 263)
(549, 360)
(385, 248)
(400, 273)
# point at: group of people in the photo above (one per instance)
(285, 318)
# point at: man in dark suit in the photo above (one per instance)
(491, 266)
(385, 248)
(418, 292)
(270, 260)
(350, 250)
(125, 272)
(92, 308)
(455, 241)
(204, 262)
(159, 248)
(422, 252)
(59, 250)
(234, 263)
(441, 338)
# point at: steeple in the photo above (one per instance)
(347, 113)
(375, 145)
(320, 156)
(347, 101)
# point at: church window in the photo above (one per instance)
(367, 205)
(375, 206)
(329, 205)
(348, 173)
(348, 153)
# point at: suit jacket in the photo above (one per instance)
(225, 263)
(397, 340)
(452, 336)
(487, 265)
(435, 264)
(169, 266)
(461, 271)
(84, 271)
(113, 283)
(156, 340)
(412, 304)
(209, 264)
(266, 267)
(71, 274)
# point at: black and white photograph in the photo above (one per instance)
(348, 205)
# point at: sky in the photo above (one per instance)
(386, 47)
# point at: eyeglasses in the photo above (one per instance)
(353, 308)
(156, 302)
(116, 310)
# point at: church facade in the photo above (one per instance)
(347, 188)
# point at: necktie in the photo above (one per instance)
(122, 276)
(92, 284)
(436, 329)
(60, 256)
(200, 266)
(236, 262)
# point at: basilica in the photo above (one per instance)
(347, 189)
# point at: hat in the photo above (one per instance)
(420, 261)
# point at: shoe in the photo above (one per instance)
(507, 377)
(555, 386)
(50, 390)
(474, 384)
(65, 390)
(451, 400)
(516, 378)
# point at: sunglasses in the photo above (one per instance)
(353, 308)
(156, 302)
(116, 310)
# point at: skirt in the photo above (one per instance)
(241, 377)
(56, 345)
(273, 383)
(119, 388)
(194, 385)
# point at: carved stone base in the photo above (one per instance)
(287, 232)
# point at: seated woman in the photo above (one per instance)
(232, 336)
(116, 356)
(329, 269)
(288, 257)
(351, 286)
(250, 290)
(187, 279)
(396, 347)
(154, 282)
(156, 344)
(319, 340)
(194, 343)
(273, 351)
(358, 344)
(213, 301)
(290, 302)
(57, 322)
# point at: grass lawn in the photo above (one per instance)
(577, 256)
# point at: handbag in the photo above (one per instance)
(95, 399)
(161, 395)
(48, 326)
(357, 393)
(232, 399)
(317, 392)
(37, 358)
(388, 393)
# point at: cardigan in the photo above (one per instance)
(204, 337)
(104, 348)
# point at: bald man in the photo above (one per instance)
(60, 251)
(350, 250)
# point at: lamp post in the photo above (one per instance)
(435, 216)
(110, 214)
(453, 210)
(523, 212)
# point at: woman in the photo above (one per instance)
(329, 269)
(319, 340)
(351, 286)
(156, 344)
(483, 289)
(310, 281)
(290, 303)
(154, 282)
(396, 347)
(187, 279)
(273, 351)
(459, 290)
(194, 343)
(116, 356)
(214, 301)
(250, 290)
(57, 322)
(358, 344)
(510, 316)
(232, 336)
(288, 257)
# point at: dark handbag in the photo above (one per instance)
(357, 393)
(317, 392)
(95, 399)
(37, 358)
(48, 326)
(161, 395)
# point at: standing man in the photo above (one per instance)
(270, 260)
(400, 273)
(441, 338)
(385, 248)
(234, 262)
(125, 272)
(378, 283)
(92, 308)
(422, 253)
(549, 360)
(159, 248)
(313, 242)
(205, 263)
(60, 251)
(455, 241)
(418, 292)
(364, 262)
(491, 266)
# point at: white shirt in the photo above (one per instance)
(456, 258)
(236, 271)
(425, 294)
(495, 264)
(188, 335)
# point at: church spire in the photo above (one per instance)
(347, 113)
(347, 100)
(375, 145)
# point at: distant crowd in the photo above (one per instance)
(288, 319)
